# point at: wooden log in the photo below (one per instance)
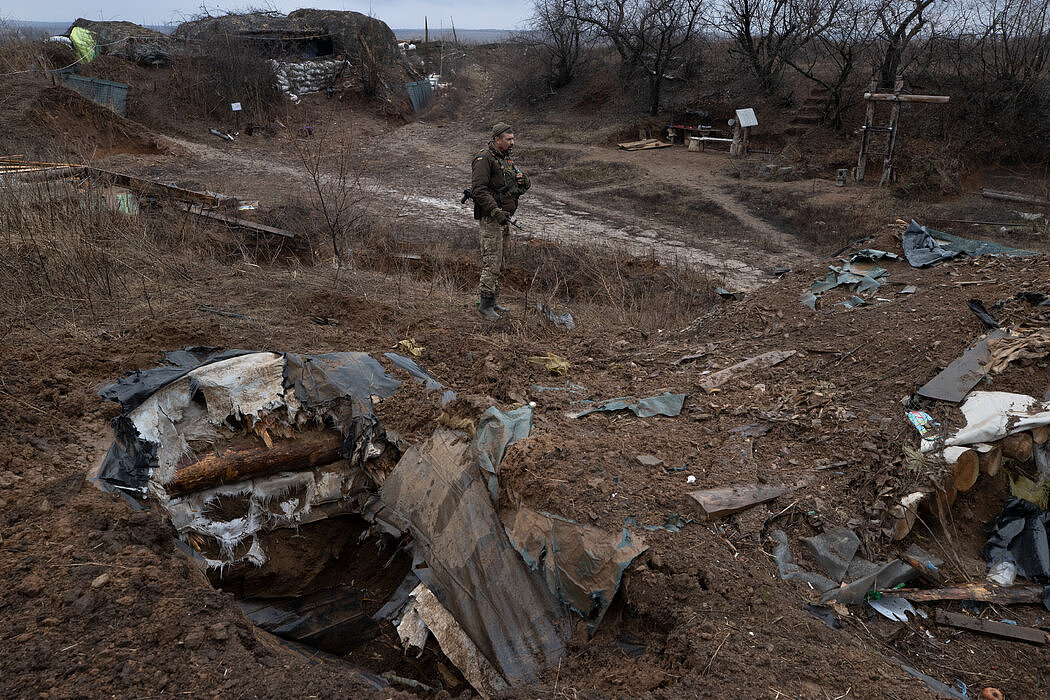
(1017, 447)
(762, 361)
(1015, 197)
(940, 501)
(996, 629)
(894, 97)
(715, 503)
(989, 458)
(1041, 434)
(965, 465)
(982, 592)
(904, 518)
(243, 462)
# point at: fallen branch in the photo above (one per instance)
(981, 592)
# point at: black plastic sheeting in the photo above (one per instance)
(923, 250)
(1019, 532)
(138, 385)
(413, 368)
(319, 381)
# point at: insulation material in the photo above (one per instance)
(992, 415)
(424, 614)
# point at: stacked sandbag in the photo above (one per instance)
(298, 78)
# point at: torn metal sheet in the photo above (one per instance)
(924, 247)
(956, 380)
(897, 609)
(413, 368)
(497, 430)
(664, 405)
(858, 277)
(833, 550)
(582, 565)
(425, 615)
(438, 495)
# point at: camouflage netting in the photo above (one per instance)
(353, 35)
(351, 32)
(128, 40)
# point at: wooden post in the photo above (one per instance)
(426, 31)
(736, 145)
(455, 38)
(895, 114)
(869, 117)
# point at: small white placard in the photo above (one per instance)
(746, 117)
(236, 106)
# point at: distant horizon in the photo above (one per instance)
(37, 23)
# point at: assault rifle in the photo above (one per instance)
(467, 194)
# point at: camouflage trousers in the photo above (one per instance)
(493, 245)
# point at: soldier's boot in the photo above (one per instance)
(487, 307)
(500, 308)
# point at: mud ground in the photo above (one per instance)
(98, 599)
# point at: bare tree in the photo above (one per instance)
(562, 37)
(767, 34)
(1015, 41)
(649, 35)
(832, 57)
(900, 21)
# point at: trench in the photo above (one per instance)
(333, 587)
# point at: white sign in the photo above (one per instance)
(236, 106)
(746, 117)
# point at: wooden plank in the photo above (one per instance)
(716, 503)
(1015, 197)
(893, 97)
(996, 629)
(144, 186)
(762, 361)
(237, 223)
(982, 592)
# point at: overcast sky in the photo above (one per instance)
(396, 13)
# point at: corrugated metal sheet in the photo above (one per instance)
(105, 92)
(419, 92)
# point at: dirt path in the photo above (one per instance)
(418, 170)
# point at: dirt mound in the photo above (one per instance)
(51, 121)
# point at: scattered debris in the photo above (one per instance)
(1029, 343)
(1015, 197)
(564, 320)
(825, 615)
(1019, 535)
(648, 460)
(956, 380)
(221, 134)
(958, 692)
(925, 247)
(977, 307)
(664, 405)
(996, 629)
(897, 609)
(716, 503)
(763, 361)
(726, 294)
(858, 277)
(555, 364)
(410, 346)
(643, 145)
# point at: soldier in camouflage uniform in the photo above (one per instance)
(496, 184)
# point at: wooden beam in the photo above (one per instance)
(982, 592)
(242, 462)
(237, 223)
(996, 629)
(891, 97)
(144, 186)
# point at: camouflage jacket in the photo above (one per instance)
(494, 183)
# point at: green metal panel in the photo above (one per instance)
(105, 92)
(419, 92)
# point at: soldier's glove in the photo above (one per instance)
(501, 217)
